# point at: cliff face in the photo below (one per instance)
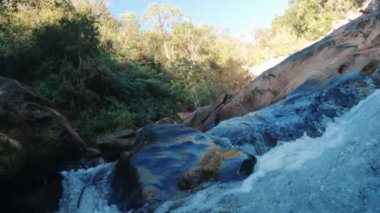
(352, 47)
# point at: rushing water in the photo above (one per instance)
(87, 190)
(337, 172)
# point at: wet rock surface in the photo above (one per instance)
(347, 49)
(337, 172)
(172, 158)
(170, 161)
(306, 92)
(305, 111)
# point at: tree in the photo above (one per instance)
(70, 38)
(129, 36)
(28, 4)
(162, 18)
(311, 19)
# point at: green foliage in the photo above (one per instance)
(62, 55)
(204, 92)
(162, 17)
(302, 22)
(70, 38)
(104, 74)
(106, 120)
(310, 19)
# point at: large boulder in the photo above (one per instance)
(347, 49)
(207, 116)
(36, 141)
(307, 110)
(113, 144)
(170, 159)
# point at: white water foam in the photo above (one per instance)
(291, 156)
(339, 171)
(87, 190)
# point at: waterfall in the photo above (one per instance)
(338, 172)
(87, 190)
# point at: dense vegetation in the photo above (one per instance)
(302, 22)
(105, 73)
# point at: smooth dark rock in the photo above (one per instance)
(172, 158)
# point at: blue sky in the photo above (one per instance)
(239, 16)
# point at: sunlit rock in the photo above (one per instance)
(305, 111)
(347, 49)
(337, 172)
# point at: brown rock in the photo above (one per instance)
(112, 145)
(370, 68)
(349, 48)
(92, 152)
(36, 142)
(185, 115)
(165, 120)
(207, 117)
(33, 136)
